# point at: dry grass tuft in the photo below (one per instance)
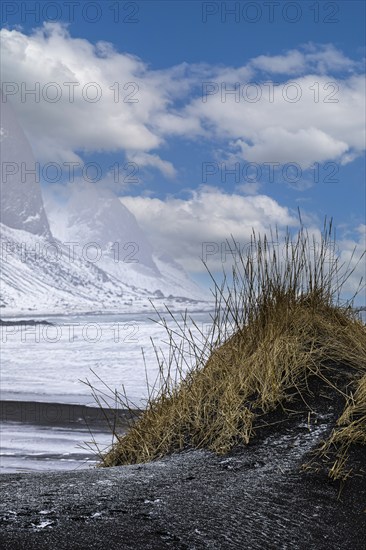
(350, 430)
(278, 321)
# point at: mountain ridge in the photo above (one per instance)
(42, 273)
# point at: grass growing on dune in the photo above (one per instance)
(278, 321)
(350, 430)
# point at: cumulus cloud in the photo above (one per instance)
(325, 122)
(301, 145)
(202, 227)
(319, 59)
(186, 229)
(293, 62)
(110, 115)
(146, 159)
(140, 108)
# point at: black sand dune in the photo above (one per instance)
(257, 497)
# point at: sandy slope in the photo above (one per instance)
(256, 498)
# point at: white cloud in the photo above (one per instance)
(325, 59)
(249, 188)
(170, 102)
(203, 225)
(326, 123)
(181, 227)
(302, 145)
(320, 59)
(57, 130)
(292, 62)
(146, 159)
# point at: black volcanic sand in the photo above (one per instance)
(25, 322)
(258, 497)
(63, 415)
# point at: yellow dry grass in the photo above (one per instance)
(350, 430)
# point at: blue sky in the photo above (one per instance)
(181, 134)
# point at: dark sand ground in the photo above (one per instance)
(61, 414)
(255, 498)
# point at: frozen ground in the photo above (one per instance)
(45, 363)
(29, 448)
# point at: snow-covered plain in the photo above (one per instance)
(47, 363)
(27, 448)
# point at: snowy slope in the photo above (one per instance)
(94, 215)
(98, 216)
(41, 277)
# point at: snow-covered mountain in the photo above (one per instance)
(43, 276)
(96, 217)
(40, 276)
(94, 257)
(20, 192)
